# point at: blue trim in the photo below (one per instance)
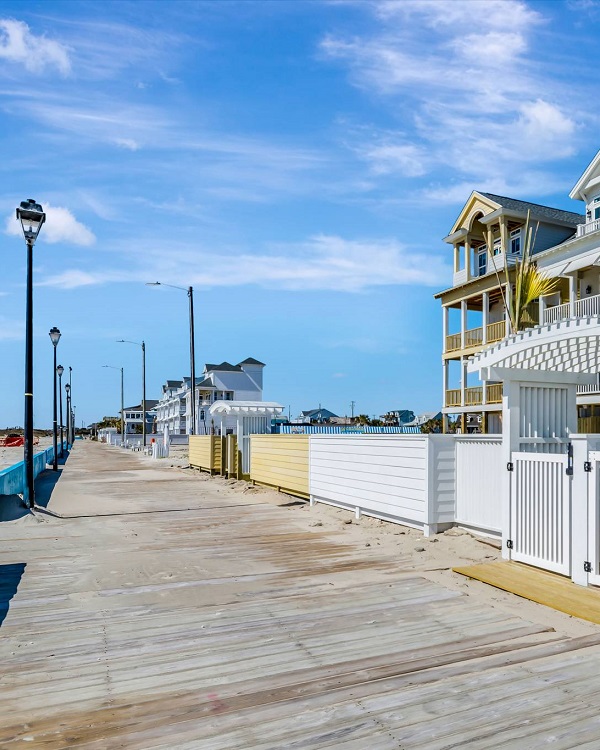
(12, 479)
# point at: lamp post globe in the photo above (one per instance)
(32, 216)
(54, 338)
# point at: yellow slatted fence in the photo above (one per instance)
(280, 461)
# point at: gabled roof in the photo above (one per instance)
(223, 367)
(251, 361)
(150, 404)
(552, 214)
(586, 178)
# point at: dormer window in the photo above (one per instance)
(515, 242)
(497, 247)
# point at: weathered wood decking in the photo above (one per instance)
(189, 616)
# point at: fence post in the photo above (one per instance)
(579, 500)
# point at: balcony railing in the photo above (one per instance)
(474, 337)
(588, 227)
(588, 307)
(474, 396)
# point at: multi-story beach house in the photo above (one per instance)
(223, 382)
(132, 417)
(488, 231)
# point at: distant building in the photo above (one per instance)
(398, 417)
(316, 416)
(133, 417)
(422, 419)
(222, 382)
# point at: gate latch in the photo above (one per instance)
(587, 567)
(587, 465)
(569, 469)
(510, 466)
(509, 543)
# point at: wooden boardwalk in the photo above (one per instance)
(168, 612)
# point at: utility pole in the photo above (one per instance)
(352, 405)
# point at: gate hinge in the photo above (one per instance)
(510, 466)
(569, 469)
(587, 566)
(587, 465)
(509, 543)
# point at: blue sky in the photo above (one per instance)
(297, 162)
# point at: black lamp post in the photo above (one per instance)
(68, 390)
(54, 338)
(112, 367)
(190, 293)
(143, 345)
(32, 216)
(60, 369)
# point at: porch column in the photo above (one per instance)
(445, 375)
(572, 294)
(468, 257)
(485, 303)
(542, 313)
(463, 380)
(456, 258)
(507, 298)
(463, 322)
(504, 234)
(484, 422)
(444, 326)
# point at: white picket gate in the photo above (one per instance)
(594, 518)
(540, 512)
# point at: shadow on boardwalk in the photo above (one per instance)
(10, 577)
(12, 507)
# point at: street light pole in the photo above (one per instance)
(143, 345)
(54, 338)
(68, 415)
(60, 369)
(31, 216)
(190, 294)
(112, 367)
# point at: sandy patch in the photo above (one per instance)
(10, 456)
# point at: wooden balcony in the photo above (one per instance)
(474, 396)
(474, 337)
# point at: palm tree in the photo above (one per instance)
(530, 284)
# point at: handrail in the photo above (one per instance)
(496, 331)
(453, 397)
(587, 307)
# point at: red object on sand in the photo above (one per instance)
(12, 441)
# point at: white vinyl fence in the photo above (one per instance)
(479, 482)
(409, 479)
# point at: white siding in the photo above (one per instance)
(401, 478)
(479, 482)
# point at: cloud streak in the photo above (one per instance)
(37, 54)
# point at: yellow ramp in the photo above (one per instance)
(540, 586)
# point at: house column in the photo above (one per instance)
(468, 257)
(572, 294)
(542, 312)
(456, 258)
(444, 326)
(504, 234)
(463, 322)
(463, 380)
(485, 304)
(445, 380)
(507, 299)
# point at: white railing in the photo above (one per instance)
(588, 227)
(590, 387)
(588, 307)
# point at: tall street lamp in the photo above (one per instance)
(54, 338)
(112, 367)
(32, 216)
(143, 345)
(60, 369)
(190, 293)
(68, 390)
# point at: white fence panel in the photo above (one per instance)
(404, 478)
(479, 470)
(541, 511)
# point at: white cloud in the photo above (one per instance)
(36, 53)
(323, 262)
(128, 143)
(478, 104)
(60, 226)
(11, 330)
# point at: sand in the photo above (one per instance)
(10, 456)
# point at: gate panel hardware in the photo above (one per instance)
(587, 567)
(510, 466)
(509, 543)
(587, 465)
(569, 469)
